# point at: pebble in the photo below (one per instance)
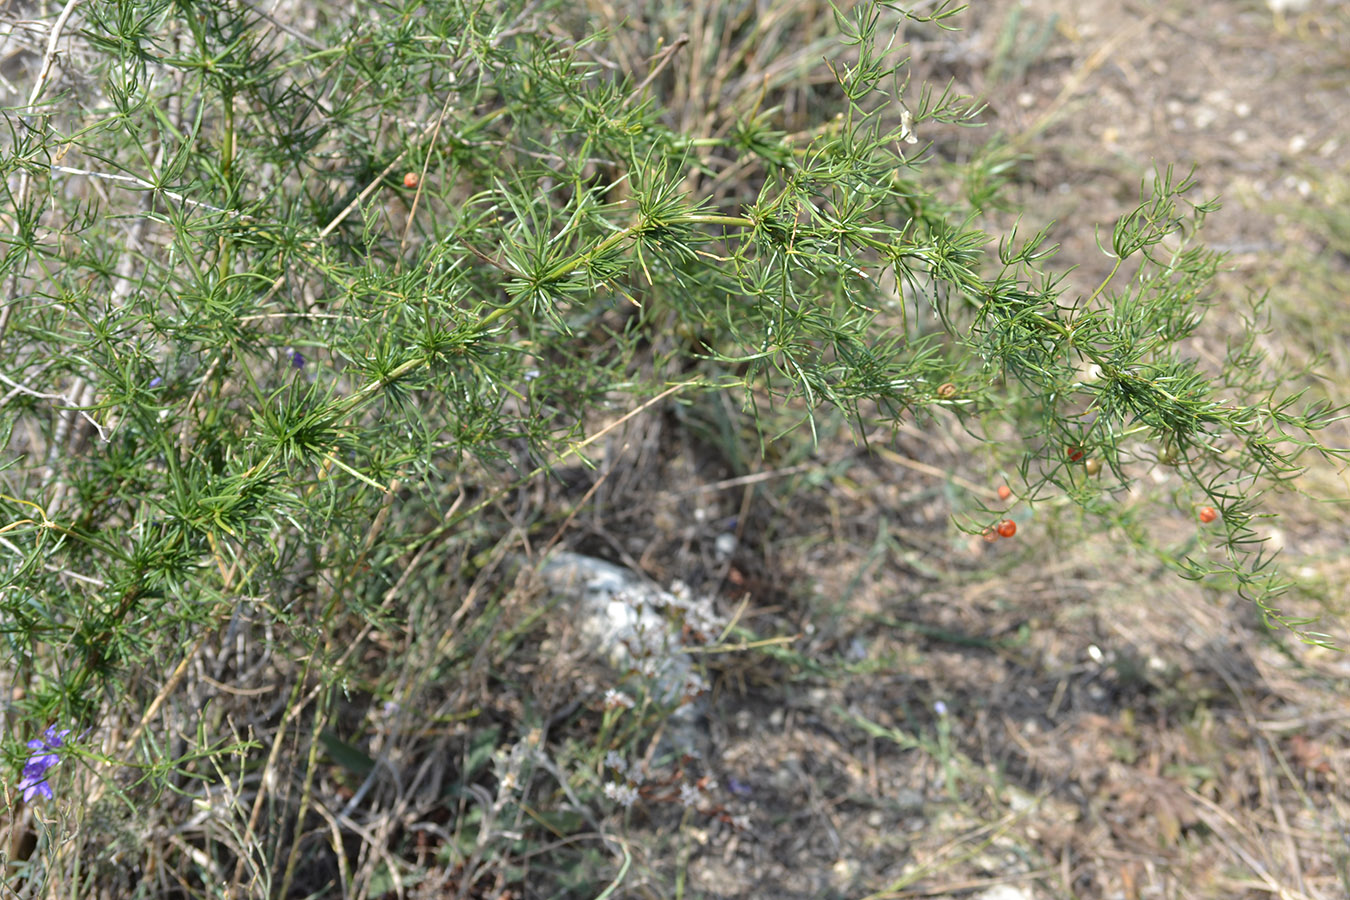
(1005, 892)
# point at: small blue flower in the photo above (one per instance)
(940, 708)
(156, 382)
(30, 790)
(37, 766)
(51, 740)
(297, 359)
(34, 783)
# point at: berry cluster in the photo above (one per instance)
(1092, 466)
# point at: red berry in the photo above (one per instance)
(1004, 492)
(1207, 514)
(1007, 528)
(410, 180)
(1075, 454)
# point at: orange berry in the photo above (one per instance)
(947, 390)
(1004, 492)
(410, 180)
(1007, 528)
(1075, 454)
(1207, 514)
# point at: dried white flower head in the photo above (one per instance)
(694, 685)
(680, 591)
(907, 127)
(614, 699)
(690, 795)
(615, 761)
(701, 618)
(623, 794)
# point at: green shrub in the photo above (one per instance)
(286, 308)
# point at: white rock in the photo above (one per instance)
(1005, 892)
(632, 625)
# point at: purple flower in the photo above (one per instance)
(940, 708)
(156, 382)
(34, 783)
(297, 359)
(41, 789)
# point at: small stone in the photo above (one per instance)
(908, 800)
(845, 870)
(1021, 801)
(1005, 892)
(724, 546)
